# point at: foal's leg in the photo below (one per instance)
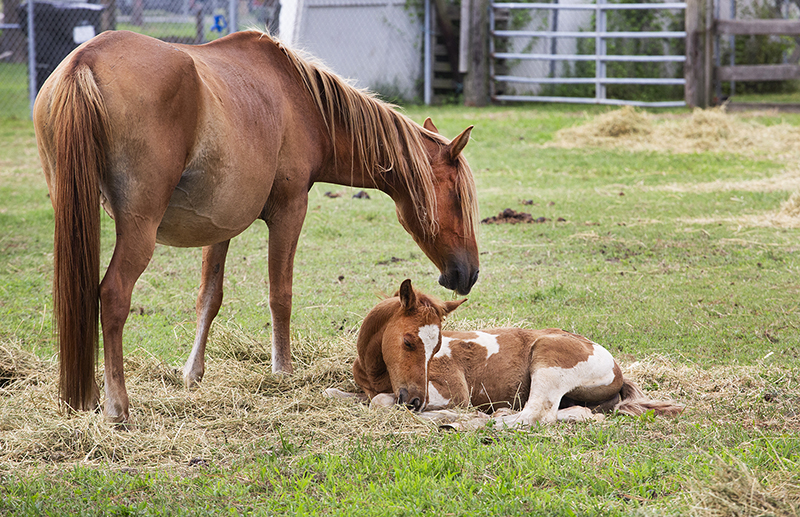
(595, 378)
(548, 385)
(209, 300)
(284, 230)
(134, 248)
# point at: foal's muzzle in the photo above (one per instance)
(415, 404)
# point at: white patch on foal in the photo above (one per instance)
(445, 350)
(435, 399)
(549, 385)
(484, 339)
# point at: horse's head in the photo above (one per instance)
(411, 337)
(448, 234)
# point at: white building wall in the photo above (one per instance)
(377, 44)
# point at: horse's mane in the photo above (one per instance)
(379, 135)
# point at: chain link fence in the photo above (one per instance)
(59, 27)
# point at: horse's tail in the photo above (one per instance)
(634, 402)
(80, 135)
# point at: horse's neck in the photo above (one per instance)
(348, 168)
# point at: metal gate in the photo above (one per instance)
(600, 57)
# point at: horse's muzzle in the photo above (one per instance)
(415, 404)
(457, 280)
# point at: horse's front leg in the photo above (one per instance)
(284, 229)
(132, 253)
(209, 300)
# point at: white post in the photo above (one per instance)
(463, 38)
(427, 49)
(233, 16)
(600, 52)
(31, 57)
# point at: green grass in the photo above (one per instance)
(14, 101)
(710, 308)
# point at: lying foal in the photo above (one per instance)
(405, 358)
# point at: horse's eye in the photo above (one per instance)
(410, 345)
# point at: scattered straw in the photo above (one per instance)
(242, 409)
(735, 491)
(704, 130)
(791, 207)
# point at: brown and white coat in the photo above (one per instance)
(529, 375)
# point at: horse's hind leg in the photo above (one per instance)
(134, 248)
(208, 302)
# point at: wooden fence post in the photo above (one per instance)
(695, 93)
(476, 81)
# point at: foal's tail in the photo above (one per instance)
(634, 402)
(79, 125)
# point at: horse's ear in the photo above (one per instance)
(451, 306)
(458, 143)
(428, 124)
(408, 300)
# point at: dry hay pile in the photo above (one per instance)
(711, 130)
(240, 408)
(704, 130)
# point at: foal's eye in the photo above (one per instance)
(410, 345)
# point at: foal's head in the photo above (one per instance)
(411, 338)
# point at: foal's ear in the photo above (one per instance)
(428, 124)
(408, 300)
(458, 143)
(451, 306)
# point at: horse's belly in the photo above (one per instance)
(187, 229)
(205, 211)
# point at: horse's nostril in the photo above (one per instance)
(402, 396)
(474, 277)
(416, 404)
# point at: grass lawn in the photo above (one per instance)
(675, 246)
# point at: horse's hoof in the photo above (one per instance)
(192, 383)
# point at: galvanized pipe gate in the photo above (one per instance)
(601, 58)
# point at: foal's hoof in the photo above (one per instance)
(334, 393)
(382, 400)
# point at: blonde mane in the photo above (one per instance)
(384, 140)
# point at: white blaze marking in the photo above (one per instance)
(429, 334)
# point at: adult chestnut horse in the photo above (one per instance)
(187, 146)
(545, 375)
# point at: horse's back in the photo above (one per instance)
(195, 132)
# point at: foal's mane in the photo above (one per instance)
(388, 307)
(380, 135)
